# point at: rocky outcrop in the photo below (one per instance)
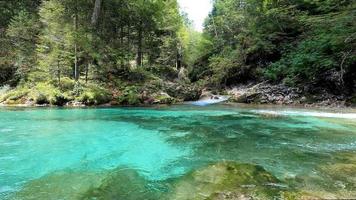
(183, 92)
(163, 98)
(265, 93)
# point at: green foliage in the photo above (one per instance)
(247, 36)
(329, 45)
(54, 45)
(66, 84)
(22, 32)
(44, 93)
(55, 42)
(138, 75)
(94, 95)
(9, 9)
(194, 44)
(296, 42)
(162, 71)
(352, 100)
(130, 96)
(15, 96)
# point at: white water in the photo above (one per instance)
(309, 114)
(205, 102)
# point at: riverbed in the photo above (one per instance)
(150, 153)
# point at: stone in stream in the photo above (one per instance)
(336, 180)
(120, 183)
(228, 180)
(59, 185)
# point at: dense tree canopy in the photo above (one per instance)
(56, 38)
(86, 48)
(296, 41)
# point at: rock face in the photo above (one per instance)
(183, 92)
(265, 93)
(163, 98)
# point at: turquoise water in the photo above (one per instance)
(165, 143)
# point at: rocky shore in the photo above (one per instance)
(265, 93)
(172, 93)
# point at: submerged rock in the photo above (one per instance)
(59, 185)
(228, 180)
(120, 183)
(124, 184)
(220, 181)
(334, 180)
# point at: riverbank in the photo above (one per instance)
(162, 93)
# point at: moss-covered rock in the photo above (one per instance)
(163, 98)
(228, 180)
(334, 180)
(124, 184)
(59, 185)
(120, 183)
(182, 91)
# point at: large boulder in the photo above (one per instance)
(183, 92)
(264, 93)
(163, 98)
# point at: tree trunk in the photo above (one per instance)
(58, 73)
(76, 70)
(86, 72)
(179, 57)
(96, 12)
(139, 46)
(216, 32)
(128, 42)
(122, 46)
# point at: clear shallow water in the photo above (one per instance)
(160, 144)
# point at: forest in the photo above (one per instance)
(137, 52)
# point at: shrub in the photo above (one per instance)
(15, 95)
(43, 93)
(138, 75)
(67, 84)
(163, 71)
(94, 95)
(130, 96)
(60, 99)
